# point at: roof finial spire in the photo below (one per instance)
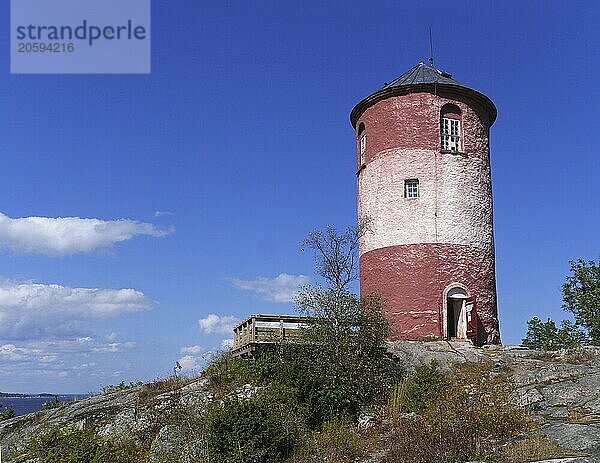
(430, 48)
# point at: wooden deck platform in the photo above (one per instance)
(261, 331)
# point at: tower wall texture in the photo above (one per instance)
(419, 248)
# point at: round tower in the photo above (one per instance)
(425, 188)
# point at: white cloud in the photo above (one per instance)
(11, 352)
(216, 324)
(113, 347)
(33, 310)
(59, 353)
(162, 214)
(282, 288)
(192, 350)
(189, 363)
(62, 236)
(55, 356)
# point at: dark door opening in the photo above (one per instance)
(450, 319)
(456, 319)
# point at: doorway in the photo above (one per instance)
(456, 315)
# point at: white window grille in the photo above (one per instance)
(363, 149)
(411, 188)
(450, 134)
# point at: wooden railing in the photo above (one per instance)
(266, 329)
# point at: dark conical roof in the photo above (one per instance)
(423, 74)
(423, 78)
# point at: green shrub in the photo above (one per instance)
(340, 362)
(68, 445)
(73, 445)
(120, 387)
(462, 415)
(51, 404)
(324, 379)
(6, 413)
(416, 392)
(339, 441)
(260, 429)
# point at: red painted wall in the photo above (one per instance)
(412, 278)
(412, 122)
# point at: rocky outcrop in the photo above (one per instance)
(560, 389)
(141, 411)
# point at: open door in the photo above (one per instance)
(472, 322)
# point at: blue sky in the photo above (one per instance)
(200, 180)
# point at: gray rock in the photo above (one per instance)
(575, 436)
(412, 354)
(527, 395)
(167, 444)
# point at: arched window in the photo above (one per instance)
(362, 144)
(450, 128)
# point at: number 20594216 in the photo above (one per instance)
(35, 47)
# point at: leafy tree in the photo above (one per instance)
(337, 364)
(581, 297)
(546, 336)
(344, 342)
(336, 253)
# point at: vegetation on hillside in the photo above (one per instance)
(454, 417)
(447, 417)
(302, 402)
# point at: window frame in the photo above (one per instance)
(361, 145)
(451, 134)
(363, 149)
(412, 189)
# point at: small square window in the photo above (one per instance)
(411, 188)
